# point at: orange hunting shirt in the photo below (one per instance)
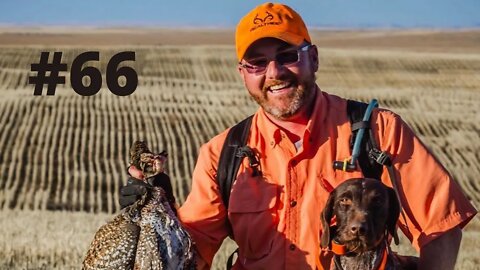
(276, 216)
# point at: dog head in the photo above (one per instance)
(365, 211)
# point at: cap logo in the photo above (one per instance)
(266, 20)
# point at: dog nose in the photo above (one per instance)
(358, 228)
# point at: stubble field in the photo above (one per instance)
(63, 157)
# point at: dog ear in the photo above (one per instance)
(393, 214)
(326, 218)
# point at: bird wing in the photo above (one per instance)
(163, 243)
(113, 246)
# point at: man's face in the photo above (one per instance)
(281, 90)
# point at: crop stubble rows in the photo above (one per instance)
(69, 152)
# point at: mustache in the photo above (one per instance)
(270, 83)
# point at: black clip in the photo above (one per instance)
(381, 157)
(246, 151)
(345, 166)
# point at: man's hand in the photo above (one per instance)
(441, 253)
(135, 173)
(133, 191)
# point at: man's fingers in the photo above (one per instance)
(133, 191)
(136, 181)
(127, 200)
(136, 190)
(134, 172)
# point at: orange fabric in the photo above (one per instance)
(270, 20)
(338, 249)
(276, 218)
(341, 250)
(383, 264)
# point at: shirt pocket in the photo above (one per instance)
(253, 215)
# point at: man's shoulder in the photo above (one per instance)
(337, 103)
(383, 116)
(215, 144)
(210, 151)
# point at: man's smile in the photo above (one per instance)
(280, 88)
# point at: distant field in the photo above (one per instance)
(63, 158)
(420, 40)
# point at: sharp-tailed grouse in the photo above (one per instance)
(147, 234)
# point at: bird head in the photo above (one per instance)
(149, 163)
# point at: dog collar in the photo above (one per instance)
(338, 249)
(383, 263)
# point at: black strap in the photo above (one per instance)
(230, 161)
(233, 151)
(371, 159)
(355, 112)
(383, 158)
(358, 125)
(230, 259)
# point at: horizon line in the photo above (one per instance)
(227, 28)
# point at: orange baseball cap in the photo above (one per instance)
(270, 20)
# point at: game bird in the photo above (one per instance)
(146, 234)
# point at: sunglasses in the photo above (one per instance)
(289, 57)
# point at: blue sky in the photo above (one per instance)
(226, 13)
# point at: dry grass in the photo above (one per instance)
(59, 240)
(421, 40)
(62, 158)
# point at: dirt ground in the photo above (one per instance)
(424, 40)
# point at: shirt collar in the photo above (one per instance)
(273, 133)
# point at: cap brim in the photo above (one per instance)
(284, 36)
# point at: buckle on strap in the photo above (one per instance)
(359, 125)
(246, 151)
(381, 157)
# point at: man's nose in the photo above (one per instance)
(274, 70)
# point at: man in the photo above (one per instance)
(298, 132)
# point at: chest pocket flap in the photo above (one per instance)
(252, 194)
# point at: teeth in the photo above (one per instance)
(279, 86)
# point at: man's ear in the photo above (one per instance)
(241, 71)
(313, 55)
(326, 218)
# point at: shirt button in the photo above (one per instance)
(292, 247)
(293, 203)
(272, 143)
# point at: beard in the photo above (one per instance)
(294, 101)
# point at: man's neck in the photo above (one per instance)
(295, 125)
(294, 128)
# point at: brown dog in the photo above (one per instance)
(365, 212)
